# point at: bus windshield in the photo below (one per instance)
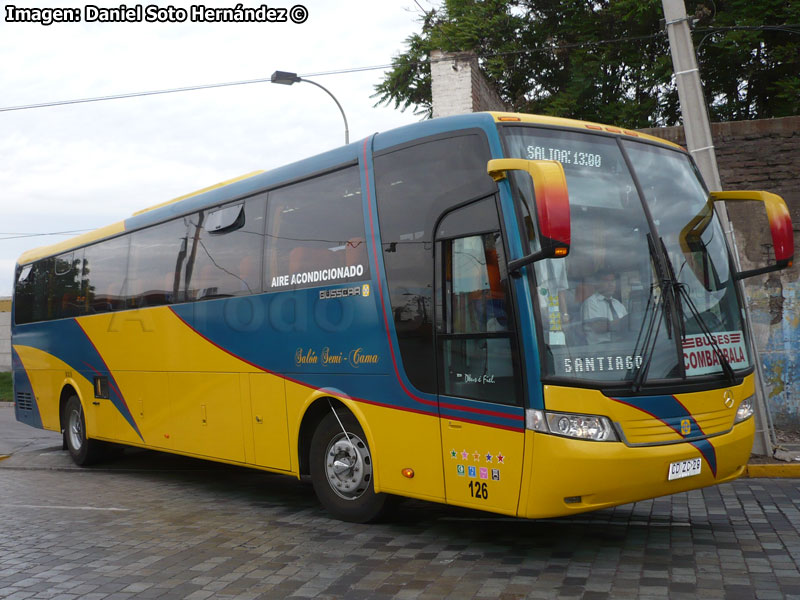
(634, 300)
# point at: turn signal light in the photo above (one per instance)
(409, 473)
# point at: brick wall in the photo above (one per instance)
(5, 334)
(765, 155)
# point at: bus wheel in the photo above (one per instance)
(341, 470)
(84, 451)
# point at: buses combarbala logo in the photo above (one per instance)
(699, 356)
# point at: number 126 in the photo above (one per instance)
(479, 490)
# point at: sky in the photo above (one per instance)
(81, 166)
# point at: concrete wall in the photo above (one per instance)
(765, 155)
(5, 334)
(458, 85)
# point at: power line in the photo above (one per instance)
(175, 90)
(14, 235)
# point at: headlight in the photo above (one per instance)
(745, 410)
(583, 427)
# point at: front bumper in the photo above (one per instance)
(570, 476)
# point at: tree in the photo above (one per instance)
(609, 60)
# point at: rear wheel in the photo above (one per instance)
(341, 470)
(83, 450)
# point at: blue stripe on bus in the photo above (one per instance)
(706, 448)
(670, 411)
(67, 341)
(22, 385)
(506, 417)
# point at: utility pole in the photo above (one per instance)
(701, 147)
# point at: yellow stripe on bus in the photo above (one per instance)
(198, 192)
(80, 240)
(575, 124)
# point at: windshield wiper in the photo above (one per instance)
(680, 292)
(723, 361)
(650, 327)
(649, 340)
(657, 310)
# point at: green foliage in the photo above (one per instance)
(609, 60)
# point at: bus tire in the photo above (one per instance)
(84, 451)
(341, 470)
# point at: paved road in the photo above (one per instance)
(155, 526)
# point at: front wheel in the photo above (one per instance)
(83, 450)
(341, 470)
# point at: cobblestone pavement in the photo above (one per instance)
(150, 525)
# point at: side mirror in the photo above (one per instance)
(780, 224)
(552, 204)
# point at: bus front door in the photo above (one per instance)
(481, 417)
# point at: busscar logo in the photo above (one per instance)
(347, 292)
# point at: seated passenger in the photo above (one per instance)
(601, 312)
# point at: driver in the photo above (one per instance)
(601, 312)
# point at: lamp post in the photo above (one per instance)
(286, 78)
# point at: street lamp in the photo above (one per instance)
(286, 78)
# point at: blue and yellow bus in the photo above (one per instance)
(527, 315)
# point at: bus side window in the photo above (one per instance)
(415, 185)
(153, 258)
(476, 341)
(477, 353)
(315, 233)
(67, 289)
(32, 293)
(225, 246)
(104, 273)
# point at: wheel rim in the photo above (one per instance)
(75, 429)
(348, 466)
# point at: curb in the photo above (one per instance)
(771, 470)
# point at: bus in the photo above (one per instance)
(526, 315)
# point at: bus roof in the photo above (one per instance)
(259, 180)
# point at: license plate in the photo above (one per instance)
(684, 468)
